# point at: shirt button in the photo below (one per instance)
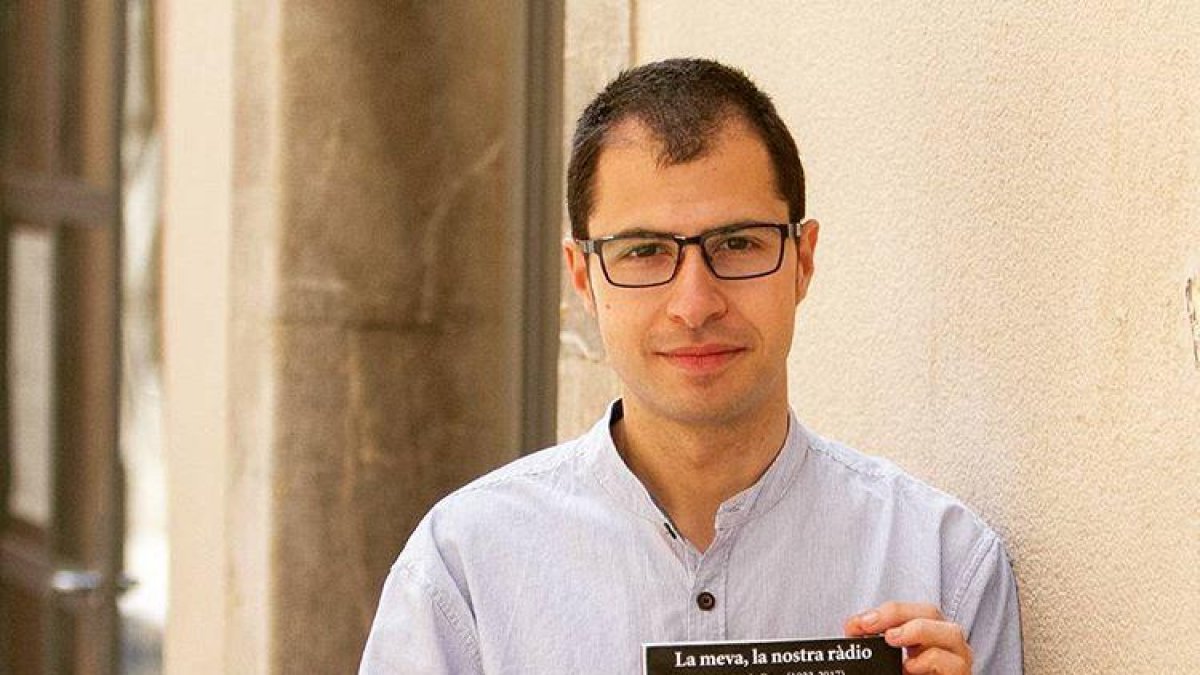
(706, 601)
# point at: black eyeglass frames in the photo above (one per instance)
(644, 259)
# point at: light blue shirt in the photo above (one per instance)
(562, 563)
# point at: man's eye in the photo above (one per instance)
(647, 249)
(737, 243)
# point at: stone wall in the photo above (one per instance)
(373, 346)
(598, 44)
(393, 336)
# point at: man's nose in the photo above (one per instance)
(696, 296)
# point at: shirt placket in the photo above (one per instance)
(709, 604)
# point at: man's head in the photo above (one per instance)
(684, 103)
(698, 334)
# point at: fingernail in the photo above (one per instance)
(869, 619)
(893, 636)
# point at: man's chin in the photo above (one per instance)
(701, 408)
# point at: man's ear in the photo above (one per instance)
(577, 268)
(806, 247)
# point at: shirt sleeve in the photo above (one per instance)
(987, 608)
(420, 627)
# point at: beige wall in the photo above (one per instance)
(1010, 206)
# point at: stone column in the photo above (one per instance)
(376, 349)
(375, 306)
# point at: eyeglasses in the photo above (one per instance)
(647, 259)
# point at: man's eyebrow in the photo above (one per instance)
(643, 231)
(640, 231)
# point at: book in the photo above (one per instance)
(826, 656)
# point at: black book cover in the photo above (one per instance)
(834, 656)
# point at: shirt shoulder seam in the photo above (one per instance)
(974, 564)
(504, 474)
(906, 482)
(986, 538)
(440, 602)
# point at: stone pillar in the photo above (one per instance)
(380, 369)
(375, 306)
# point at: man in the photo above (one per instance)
(698, 508)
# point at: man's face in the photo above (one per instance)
(699, 350)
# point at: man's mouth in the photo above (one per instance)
(702, 358)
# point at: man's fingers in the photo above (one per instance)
(935, 646)
(938, 662)
(889, 615)
(928, 633)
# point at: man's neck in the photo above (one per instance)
(690, 470)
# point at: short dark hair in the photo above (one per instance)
(684, 103)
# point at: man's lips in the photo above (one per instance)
(701, 358)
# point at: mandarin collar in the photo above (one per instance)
(628, 492)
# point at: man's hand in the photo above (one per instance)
(935, 646)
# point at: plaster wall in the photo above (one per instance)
(1010, 205)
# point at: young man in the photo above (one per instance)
(698, 508)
